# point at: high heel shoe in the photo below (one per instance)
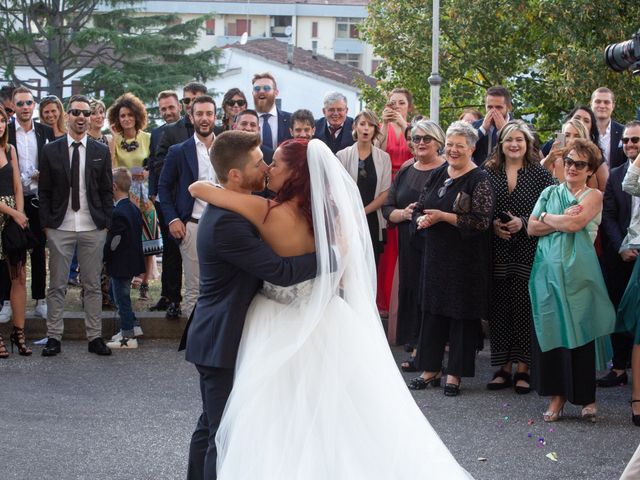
(452, 389)
(635, 419)
(589, 413)
(4, 353)
(551, 416)
(420, 383)
(17, 339)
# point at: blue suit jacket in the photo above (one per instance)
(233, 262)
(123, 247)
(154, 165)
(179, 171)
(284, 122)
(344, 140)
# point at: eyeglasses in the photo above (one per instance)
(570, 162)
(362, 171)
(443, 189)
(186, 100)
(626, 140)
(22, 103)
(236, 103)
(129, 147)
(421, 138)
(264, 88)
(76, 112)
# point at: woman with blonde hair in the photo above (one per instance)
(51, 112)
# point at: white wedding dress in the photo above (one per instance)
(317, 393)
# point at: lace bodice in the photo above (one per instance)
(287, 295)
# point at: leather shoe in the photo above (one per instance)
(161, 305)
(173, 311)
(612, 379)
(98, 347)
(52, 348)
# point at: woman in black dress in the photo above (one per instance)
(427, 139)
(370, 167)
(454, 214)
(517, 179)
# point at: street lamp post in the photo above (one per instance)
(435, 79)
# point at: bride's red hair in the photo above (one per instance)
(297, 187)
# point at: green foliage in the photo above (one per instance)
(128, 51)
(549, 53)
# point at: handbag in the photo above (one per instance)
(152, 247)
(462, 203)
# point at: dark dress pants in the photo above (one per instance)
(215, 387)
(171, 262)
(38, 258)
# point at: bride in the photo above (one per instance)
(317, 394)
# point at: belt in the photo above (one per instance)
(193, 220)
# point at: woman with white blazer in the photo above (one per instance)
(370, 167)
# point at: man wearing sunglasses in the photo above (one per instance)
(172, 133)
(603, 103)
(617, 261)
(6, 99)
(76, 203)
(29, 138)
(335, 127)
(274, 123)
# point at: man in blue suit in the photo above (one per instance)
(617, 265)
(498, 105)
(335, 128)
(274, 123)
(185, 163)
(233, 264)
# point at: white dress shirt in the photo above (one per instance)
(273, 123)
(604, 140)
(80, 221)
(205, 172)
(27, 149)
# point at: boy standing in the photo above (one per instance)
(124, 258)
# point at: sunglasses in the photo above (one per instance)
(570, 162)
(76, 112)
(22, 103)
(186, 100)
(264, 88)
(362, 171)
(421, 138)
(626, 140)
(443, 189)
(236, 103)
(9, 111)
(49, 98)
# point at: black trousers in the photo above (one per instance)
(462, 335)
(215, 388)
(171, 262)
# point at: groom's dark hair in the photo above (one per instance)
(231, 150)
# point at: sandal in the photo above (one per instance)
(17, 339)
(420, 383)
(506, 376)
(521, 377)
(635, 419)
(409, 365)
(452, 389)
(4, 353)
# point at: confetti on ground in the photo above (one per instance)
(482, 459)
(552, 430)
(506, 419)
(530, 422)
(530, 435)
(506, 405)
(553, 456)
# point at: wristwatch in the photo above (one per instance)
(542, 215)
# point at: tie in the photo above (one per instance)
(75, 177)
(267, 138)
(333, 131)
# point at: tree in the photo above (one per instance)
(143, 54)
(546, 54)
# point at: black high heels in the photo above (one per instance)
(635, 419)
(17, 339)
(4, 353)
(420, 383)
(452, 389)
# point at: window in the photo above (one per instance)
(347, 27)
(237, 28)
(210, 27)
(352, 59)
(314, 29)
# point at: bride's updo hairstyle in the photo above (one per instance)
(298, 186)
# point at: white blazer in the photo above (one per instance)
(349, 158)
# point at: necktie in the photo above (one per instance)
(334, 132)
(267, 136)
(75, 177)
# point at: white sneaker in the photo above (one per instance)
(41, 309)
(6, 312)
(123, 344)
(137, 332)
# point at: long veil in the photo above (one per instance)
(317, 393)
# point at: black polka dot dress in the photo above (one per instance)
(510, 318)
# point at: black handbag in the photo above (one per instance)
(16, 241)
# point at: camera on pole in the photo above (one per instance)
(624, 55)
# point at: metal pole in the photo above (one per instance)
(435, 80)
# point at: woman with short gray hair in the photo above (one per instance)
(453, 216)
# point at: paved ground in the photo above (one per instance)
(79, 416)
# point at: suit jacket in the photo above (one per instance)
(55, 183)
(44, 134)
(617, 156)
(616, 215)
(173, 134)
(284, 122)
(179, 171)
(344, 139)
(123, 247)
(233, 262)
(481, 153)
(153, 164)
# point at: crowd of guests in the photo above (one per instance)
(476, 223)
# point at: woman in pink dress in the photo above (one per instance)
(394, 124)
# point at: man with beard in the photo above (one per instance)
(76, 204)
(234, 262)
(274, 123)
(335, 127)
(184, 164)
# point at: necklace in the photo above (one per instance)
(130, 146)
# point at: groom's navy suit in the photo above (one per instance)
(233, 263)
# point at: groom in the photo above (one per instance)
(233, 263)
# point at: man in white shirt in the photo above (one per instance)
(185, 163)
(274, 123)
(76, 203)
(603, 103)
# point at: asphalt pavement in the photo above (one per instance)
(131, 415)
